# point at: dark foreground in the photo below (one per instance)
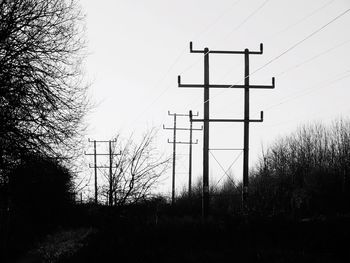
(110, 236)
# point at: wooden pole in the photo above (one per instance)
(205, 197)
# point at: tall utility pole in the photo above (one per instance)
(206, 119)
(174, 142)
(110, 154)
(205, 204)
(246, 128)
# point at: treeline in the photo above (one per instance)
(303, 174)
(306, 172)
(43, 102)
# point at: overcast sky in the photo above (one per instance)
(137, 49)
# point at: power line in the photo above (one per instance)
(193, 64)
(235, 29)
(178, 59)
(110, 154)
(307, 91)
(227, 10)
(249, 17)
(301, 41)
(313, 58)
(244, 21)
(174, 142)
(308, 61)
(298, 22)
(302, 19)
(287, 50)
(206, 119)
(302, 93)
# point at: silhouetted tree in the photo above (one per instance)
(136, 170)
(42, 99)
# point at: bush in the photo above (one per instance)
(41, 190)
(306, 173)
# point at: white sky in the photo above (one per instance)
(137, 49)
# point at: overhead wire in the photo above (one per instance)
(301, 41)
(304, 93)
(236, 28)
(312, 13)
(304, 62)
(293, 47)
(313, 58)
(290, 48)
(146, 109)
(244, 21)
(299, 65)
(308, 61)
(255, 11)
(286, 51)
(307, 91)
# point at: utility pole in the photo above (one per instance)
(110, 174)
(95, 169)
(205, 198)
(206, 119)
(110, 154)
(190, 154)
(246, 129)
(174, 142)
(174, 160)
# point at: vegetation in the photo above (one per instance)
(41, 196)
(42, 104)
(306, 173)
(41, 189)
(299, 190)
(139, 166)
(42, 99)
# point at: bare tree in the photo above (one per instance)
(308, 169)
(136, 170)
(42, 99)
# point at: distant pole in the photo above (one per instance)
(95, 168)
(190, 159)
(110, 154)
(174, 157)
(110, 175)
(81, 197)
(205, 198)
(174, 142)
